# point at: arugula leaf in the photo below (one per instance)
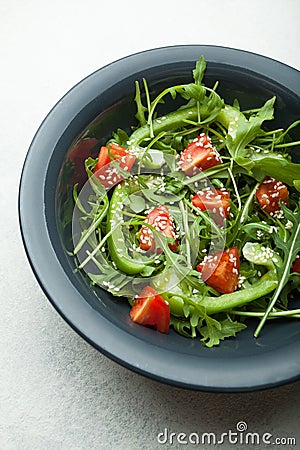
(193, 91)
(95, 183)
(199, 70)
(277, 167)
(182, 327)
(151, 195)
(141, 109)
(293, 285)
(214, 331)
(242, 131)
(120, 137)
(290, 249)
(117, 283)
(198, 74)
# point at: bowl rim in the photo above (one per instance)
(124, 348)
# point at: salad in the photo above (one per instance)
(195, 216)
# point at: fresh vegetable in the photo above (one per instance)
(195, 216)
(160, 219)
(290, 247)
(296, 265)
(215, 200)
(270, 194)
(149, 308)
(116, 239)
(221, 270)
(199, 154)
(105, 169)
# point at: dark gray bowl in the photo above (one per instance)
(105, 98)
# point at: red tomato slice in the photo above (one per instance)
(161, 220)
(269, 194)
(221, 270)
(296, 265)
(104, 170)
(215, 200)
(199, 155)
(149, 308)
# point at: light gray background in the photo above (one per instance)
(57, 392)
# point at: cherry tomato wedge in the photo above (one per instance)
(104, 170)
(161, 220)
(296, 265)
(199, 155)
(215, 200)
(269, 194)
(221, 270)
(149, 308)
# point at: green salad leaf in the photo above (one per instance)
(214, 331)
(276, 167)
(242, 131)
(290, 250)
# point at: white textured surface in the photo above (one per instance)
(56, 392)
